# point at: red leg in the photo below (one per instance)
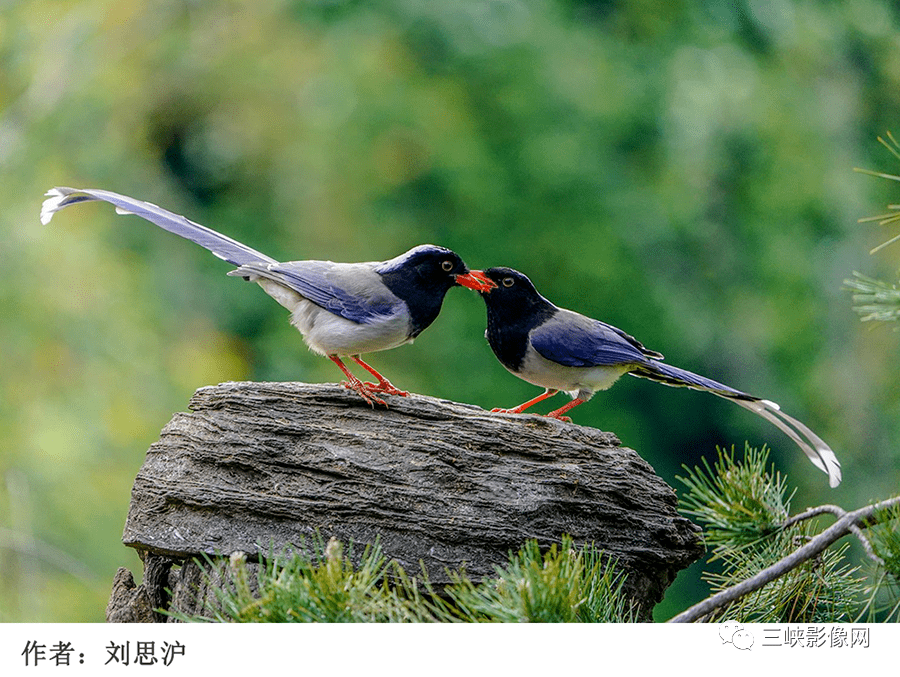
(549, 392)
(354, 383)
(383, 385)
(562, 410)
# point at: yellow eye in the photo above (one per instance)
(447, 265)
(508, 282)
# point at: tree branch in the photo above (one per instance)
(848, 522)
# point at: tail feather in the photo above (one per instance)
(222, 246)
(673, 376)
(811, 444)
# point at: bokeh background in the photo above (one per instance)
(683, 170)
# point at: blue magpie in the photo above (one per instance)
(342, 309)
(561, 350)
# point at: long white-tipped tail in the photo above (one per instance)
(222, 246)
(812, 445)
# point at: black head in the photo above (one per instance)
(514, 297)
(426, 267)
(422, 276)
(514, 308)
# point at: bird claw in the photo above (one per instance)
(498, 410)
(385, 387)
(363, 390)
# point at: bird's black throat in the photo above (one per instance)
(510, 321)
(423, 294)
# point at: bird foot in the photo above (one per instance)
(364, 391)
(516, 410)
(385, 387)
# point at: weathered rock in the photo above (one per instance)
(257, 466)
(128, 603)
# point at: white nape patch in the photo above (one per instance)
(399, 261)
(771, 404)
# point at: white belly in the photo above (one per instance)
(580, 382)
(328, 334)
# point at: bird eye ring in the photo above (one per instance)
(447, 265)
(508, 282)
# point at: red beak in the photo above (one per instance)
(477, 280)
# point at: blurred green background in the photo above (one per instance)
(683, 170)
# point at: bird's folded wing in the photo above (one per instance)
(577, 341)
(352, 291)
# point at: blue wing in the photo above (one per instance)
(358, 296)
(573, 340)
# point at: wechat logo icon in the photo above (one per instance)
(732, 632)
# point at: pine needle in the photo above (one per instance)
(874, 299)
(884, 219)
(742, 508)
(564, 584)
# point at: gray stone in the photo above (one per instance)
(256, 467)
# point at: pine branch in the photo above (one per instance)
(839, 512)
(848, 522)
(717, 498)
(564, 584)
(874, 299)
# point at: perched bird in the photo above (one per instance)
(561, 350)
(342, 309)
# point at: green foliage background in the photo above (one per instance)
(682, 170)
